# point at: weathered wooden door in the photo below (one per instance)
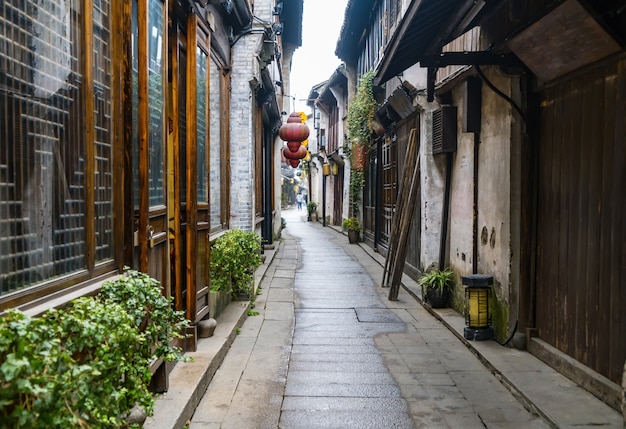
(338, 194)
(388, 186)
(581, 235)
(189, 157)
(370, 197)
(148, 75)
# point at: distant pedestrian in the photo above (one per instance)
(299, 201)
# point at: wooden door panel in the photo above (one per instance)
(581, 228)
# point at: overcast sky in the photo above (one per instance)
(315, 60)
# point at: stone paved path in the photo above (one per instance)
(327, 350)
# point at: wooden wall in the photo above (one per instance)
(581, 255)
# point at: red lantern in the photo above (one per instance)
(301, 153)
(293, 132)
(294, 146)
(294, 118)
(294, 162)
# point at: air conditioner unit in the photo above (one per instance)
(444, 130)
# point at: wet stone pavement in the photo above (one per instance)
(337, 376)
(328, 350)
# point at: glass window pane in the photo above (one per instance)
(182, 124)
(201, 100)
(42, 142)
(103, 145)
(215, 144)
(156, 184)
(156, 174)
(135, 106)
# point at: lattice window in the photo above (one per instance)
(44, 164)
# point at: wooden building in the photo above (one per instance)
(116, 140)
(521, 112)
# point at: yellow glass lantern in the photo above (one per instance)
(334, 168)
(477, 309)
(326, 169)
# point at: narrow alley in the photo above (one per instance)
(328, 350)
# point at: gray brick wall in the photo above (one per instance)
(242, 155)
(245, 71)
(263, 9)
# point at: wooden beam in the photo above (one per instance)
(143, 118)
(191, 170)
(402, 219)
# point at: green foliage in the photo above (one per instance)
(352, 224)
(360, 119)
(438, 279)
(31, 374)
(85, 365)
(142, 298)
(234, 257)
(311, 207)
(357, 182)
(109, 373)
(361, 110)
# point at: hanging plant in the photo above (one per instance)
(360, 129)
(361, 111)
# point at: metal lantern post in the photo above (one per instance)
(477, 309)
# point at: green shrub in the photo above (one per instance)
(33, 367)
(88, 364)
(109, 373)
(77, 367)
(141, 297)
(234, 257)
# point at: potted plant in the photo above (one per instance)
(437, 287)
(311, 208)
(234, 257)
(354, 228)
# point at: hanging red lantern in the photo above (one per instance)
(294, 118)
(301, 153)
(295, 132)
(294, 162)
(294, 145)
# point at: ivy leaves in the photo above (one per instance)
(88, 364)
(360, 118)
(152, 313)
(234, 256)
(361, 110)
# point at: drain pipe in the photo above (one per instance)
(445, 213)
(268, 224)
(475, 220)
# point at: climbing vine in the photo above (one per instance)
(360, 120)
(361, 110)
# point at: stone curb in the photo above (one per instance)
(188, 381)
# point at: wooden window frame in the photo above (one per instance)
(57, 292)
